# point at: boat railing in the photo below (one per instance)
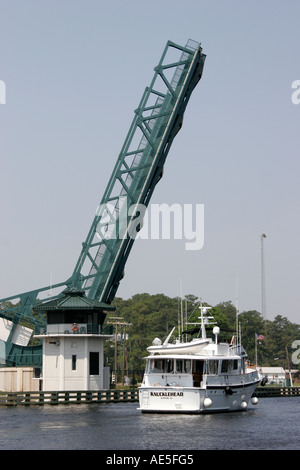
(231, 379)
(236, 349)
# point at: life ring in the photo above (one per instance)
(75, 327)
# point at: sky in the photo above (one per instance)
(74, 72)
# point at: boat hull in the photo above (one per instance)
(195, 400)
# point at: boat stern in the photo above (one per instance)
(169, 400)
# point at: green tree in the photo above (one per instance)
(280, 335)
(251, 323)
(154, 316)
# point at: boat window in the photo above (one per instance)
(169, 365)
(198, 367)
(157, 365)
(197, 372)
(233, 364)
(229, 365)
(225, 366)
(187, 366)
(212, 367)
(183, 366)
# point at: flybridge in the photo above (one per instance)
(139, 167)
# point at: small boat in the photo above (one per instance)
(191, 347)
(200, 376)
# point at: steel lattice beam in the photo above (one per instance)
(139, 167)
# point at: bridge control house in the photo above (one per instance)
(73, 341)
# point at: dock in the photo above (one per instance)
(269, 392)
(68, 397)
(110, 396)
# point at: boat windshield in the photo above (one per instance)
(229, 365)
(165, 365)
(183, 366)
(161, 365)
(212, 367)
(156, 365)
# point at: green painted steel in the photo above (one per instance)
(22, 356)
(139, 167)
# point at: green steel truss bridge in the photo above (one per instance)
(139, 167)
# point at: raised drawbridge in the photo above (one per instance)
(118, 218)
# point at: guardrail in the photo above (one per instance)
(268, 392)
(73, 329)
(110, 396)
(66, 398)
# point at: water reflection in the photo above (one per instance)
(270, 425)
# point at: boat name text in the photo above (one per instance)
(166, 394)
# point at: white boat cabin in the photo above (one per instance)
(187, 372)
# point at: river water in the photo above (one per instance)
(272, 424)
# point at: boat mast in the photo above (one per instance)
(203, 330)
(236, 313)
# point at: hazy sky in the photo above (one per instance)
(75, 71)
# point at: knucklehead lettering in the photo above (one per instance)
(166, 394)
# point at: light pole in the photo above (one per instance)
(263, 280)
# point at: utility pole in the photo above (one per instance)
(263, 280)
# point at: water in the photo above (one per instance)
(272, 424)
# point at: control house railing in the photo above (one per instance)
(74, 329)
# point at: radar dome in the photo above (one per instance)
(156, 342)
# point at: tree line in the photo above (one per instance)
(144, 317)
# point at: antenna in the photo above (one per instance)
(203, 322)
(236, 310)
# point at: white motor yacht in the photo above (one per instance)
(200, 376)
